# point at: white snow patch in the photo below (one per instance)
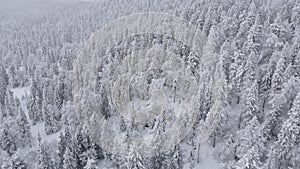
(206, 160)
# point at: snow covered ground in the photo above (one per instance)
(22, 93)
(206, 158)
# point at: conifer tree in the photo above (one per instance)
(24, 128)
(135, 160)
(280, 156)
(70, 161)
(43, 156)
(176, 160)
(17, 162)
(3, 85)
(91, 164)
(7, 142)
(61, 149)
(251, 104)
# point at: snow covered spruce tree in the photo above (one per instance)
(17, 162)
(176, 159)
(7, 142)
(135, 161)
(69, 161)
(251, 106)
(3, 88)
(43, 156)
(24, 129)
(280, 156)
(35, 104)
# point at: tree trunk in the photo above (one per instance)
(240, 121)
(198, 155)
(263, 106)
(214, 140)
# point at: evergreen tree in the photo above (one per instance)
(123, 127)
(3, 85)
(70, 161)
(65, 139)
(79, 149)
(43, 156)
(245, 26)
(52, 125)
(277, 78)
(59, 92)
(135, 160)
(92, 156)
(215, 116)
(91, 164)
(176, 161)
(12, 77)
(280, 156)
(24, 128)
(17, 162)
(250, 138)
(236, 76)
(249, 74)
(9, 104)
(61, 149)
(67, 134)
(251, 104)
(280, 104)
(7, 142)
(251, 160)
(35, 105)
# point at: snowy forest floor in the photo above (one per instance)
(206, 158)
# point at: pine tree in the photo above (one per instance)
(96, 151)
(277, 78)
(280, 104)
(70, 161)
(251, 104)
(43, 156)
(212, 47)
(250, 138)
(123, 127)
(3, 85)
(92, 156)
(245, 26)
(35, 105)
(104, 103)
(52, 125)
(255, 37)
(251, 160)
(59, 92)
(24, 128)
(7, 142)
(67, 134)
(176, 161)
(135, 160)
(79, 149)
(215, 115)
(236, 76)
(288, 137)
(17, 162)
(288, 73)
(12, 77)
(91, 164)
(61, 149)
(296, 64)
(249, 74)
(64, 141)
